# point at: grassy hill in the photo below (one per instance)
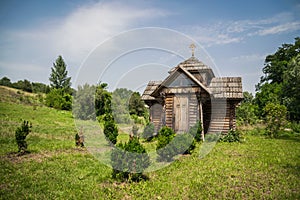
(258, 168)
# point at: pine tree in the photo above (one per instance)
(59, 76)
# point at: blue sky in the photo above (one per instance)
(235, 35)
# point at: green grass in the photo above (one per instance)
(52, 129)
(258, 168)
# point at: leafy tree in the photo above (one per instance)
(291, 85)
(277, 63)
(84, 102)
(280, 83)
(246, 113)
(59, 76)
(110, 129)
(57, 99)
(123, 93)
(129, 160)
(5, 81)
(120, 99)
(21, 134)
(40, 88)
(24, 85)
(275, 118)
(136, 105)
(102, 100)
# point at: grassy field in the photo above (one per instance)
(258, 168)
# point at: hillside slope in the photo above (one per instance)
(258, 168)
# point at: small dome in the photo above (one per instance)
(192, 64)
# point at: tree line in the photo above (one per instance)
(277, 97)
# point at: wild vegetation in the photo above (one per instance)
(258, 167)
(258, 161)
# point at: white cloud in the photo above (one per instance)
(73, 36)
(226, 32)
(248, 58)
(287, 27)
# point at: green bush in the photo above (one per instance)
(57, 99)
(196, 131)
(180, 144)
(129, 160)
(165, 152)
(138, 119)
(170, 145)
(275, 118)
(231, 136)
(21, 134)
(183, 144)
(148, 132)
(295, 127)
(135, 130)
(245, 114)
(110, 129)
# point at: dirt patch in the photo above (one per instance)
(15, 157)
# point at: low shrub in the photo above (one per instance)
(231, 136)
(110, 129)
(135, 130)
(148, 132)
(295, 127)
(21, 134)
(169, 145)
(275, 118)
(129, 160)
(196, 131)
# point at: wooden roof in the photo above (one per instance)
(219, 87)
(226, 87)
(167, 81)
(193, 64)
(152, 85)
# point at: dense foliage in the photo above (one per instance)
(231, 136)
(25, 85)
(136, 105)
(120, 108)
(196, 131)
(169, 144)
(129, 160)
(246, 113)
(84, 103)
(275, 118)
(58, 99)
(280, 83)
(21, 134)
(102, 100)
(59, 96)
(277, 97)
(148, 132)
(110, 129)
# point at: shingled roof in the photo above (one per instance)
(226, 87)
(218, 87)
(152, 85)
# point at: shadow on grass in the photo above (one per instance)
(289, 136)
(294, 169)
(129, 177)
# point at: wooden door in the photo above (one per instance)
(181, 121)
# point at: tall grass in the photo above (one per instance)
(257, 168)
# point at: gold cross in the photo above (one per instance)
(192, 47)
